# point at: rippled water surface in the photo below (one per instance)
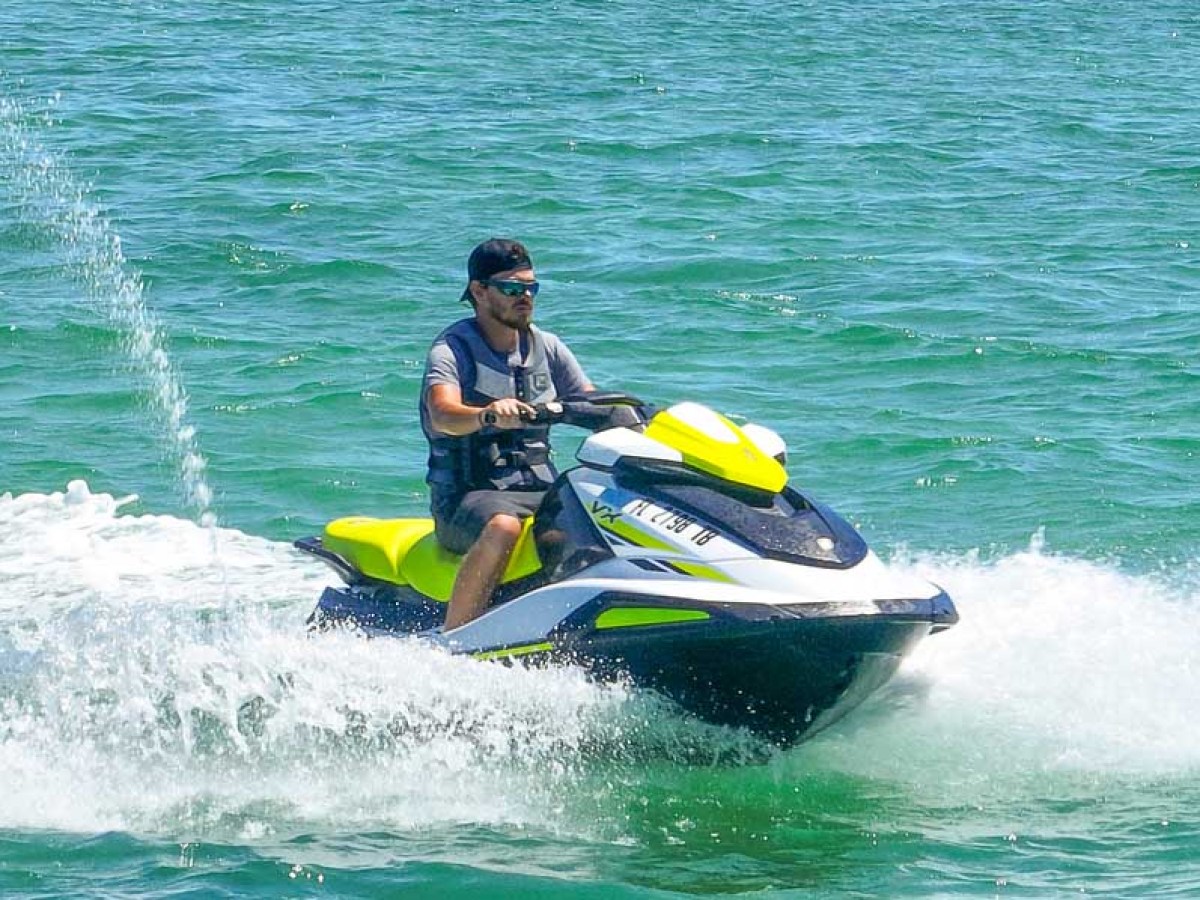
(948, 251)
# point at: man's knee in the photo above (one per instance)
(503, 527)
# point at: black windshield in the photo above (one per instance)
(785, 526)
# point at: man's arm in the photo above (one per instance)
(449, 415)
(444, 403)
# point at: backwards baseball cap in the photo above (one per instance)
(492, 256)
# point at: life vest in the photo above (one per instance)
(495, 458)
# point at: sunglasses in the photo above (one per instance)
(512, 288)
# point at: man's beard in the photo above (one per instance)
(513, 320)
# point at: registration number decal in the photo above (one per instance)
(672, 521)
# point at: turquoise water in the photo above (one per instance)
(948, 251)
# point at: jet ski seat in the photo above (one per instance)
(406, 551)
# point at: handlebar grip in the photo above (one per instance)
(542, 413)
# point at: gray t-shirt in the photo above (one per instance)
(442, 365)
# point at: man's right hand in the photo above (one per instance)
(507, 413)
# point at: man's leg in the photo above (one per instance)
(481, 569)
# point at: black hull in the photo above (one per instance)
(782, 673)
(784, 680)
(382, 610)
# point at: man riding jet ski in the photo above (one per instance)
(489, 464)
(675, 556)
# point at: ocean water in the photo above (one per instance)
(947, 250)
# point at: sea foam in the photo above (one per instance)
(143, 687)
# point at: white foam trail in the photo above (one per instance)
(1059, 665)
(50, 197)
(140, 689)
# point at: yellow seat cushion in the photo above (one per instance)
(376, 547)
(406, 551)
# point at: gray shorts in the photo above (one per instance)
(459, 523)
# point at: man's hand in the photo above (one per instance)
(506, 413)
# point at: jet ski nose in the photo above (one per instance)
(944, 612)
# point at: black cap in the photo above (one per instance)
(492, 256)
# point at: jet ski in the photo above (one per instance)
(676, 557)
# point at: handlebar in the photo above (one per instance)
(543, 414)
(595, 411)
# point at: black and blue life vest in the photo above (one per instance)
(495, 458)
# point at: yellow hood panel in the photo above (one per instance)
(712, 443)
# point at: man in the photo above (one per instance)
(488, 466)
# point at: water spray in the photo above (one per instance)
(50, 197)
